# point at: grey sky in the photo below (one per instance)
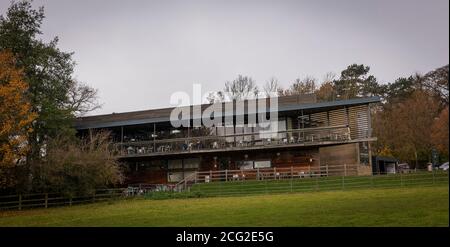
(138, 53)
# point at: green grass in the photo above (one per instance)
(414, 206)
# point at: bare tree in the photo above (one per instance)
(301, 86)
(215, 97)
(241, 88)
(82, 98)
(271, 86)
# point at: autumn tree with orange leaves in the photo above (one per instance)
(15, 117)
(440, 132)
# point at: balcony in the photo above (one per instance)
(250, 141)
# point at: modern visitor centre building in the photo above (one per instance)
(310, 138)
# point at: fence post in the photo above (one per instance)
(20, 202)
(46, 200)
(275, 173)
(70, 201)
(292, 172)
(343, 182)
(317, 183)
(345, 169)
(226, 175)
(291, 181)
(195, 178)
(433, 174)
(401, 180)
(371, 181)
(93, 197)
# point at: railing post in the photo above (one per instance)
(20, 202)
(46, 200)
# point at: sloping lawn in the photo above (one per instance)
(418, 206)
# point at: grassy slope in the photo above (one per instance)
(364, 207)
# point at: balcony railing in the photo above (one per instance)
(307, 136)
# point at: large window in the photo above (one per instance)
(364, 153)
(250, 164)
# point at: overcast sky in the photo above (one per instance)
(138, 53)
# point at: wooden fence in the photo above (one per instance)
(46, 200)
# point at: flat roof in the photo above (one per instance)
(285, 104)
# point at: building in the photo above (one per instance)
(385, 165)
(314, 137)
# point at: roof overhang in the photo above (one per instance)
(89, 123)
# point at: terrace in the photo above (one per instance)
(257, 140)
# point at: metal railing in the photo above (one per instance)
(308, 136)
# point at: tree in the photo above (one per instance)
(306, 85)
(271, 87)
(404, 127)
(77, 167)
(436, 82)
(440, 132)
(15, 118)
(401, 89)
(355, 82)
(241, 88)
(54, 95)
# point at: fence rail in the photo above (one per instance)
(46, 200)
(226, 183)
(273, 173)
(318, 183)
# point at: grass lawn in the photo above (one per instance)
(414, 206)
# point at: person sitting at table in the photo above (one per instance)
(292, 139)
(184, 146)
(215, 145)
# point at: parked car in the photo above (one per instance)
(444, 166)
(403, 168)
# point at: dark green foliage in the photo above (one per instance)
(47, 70)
